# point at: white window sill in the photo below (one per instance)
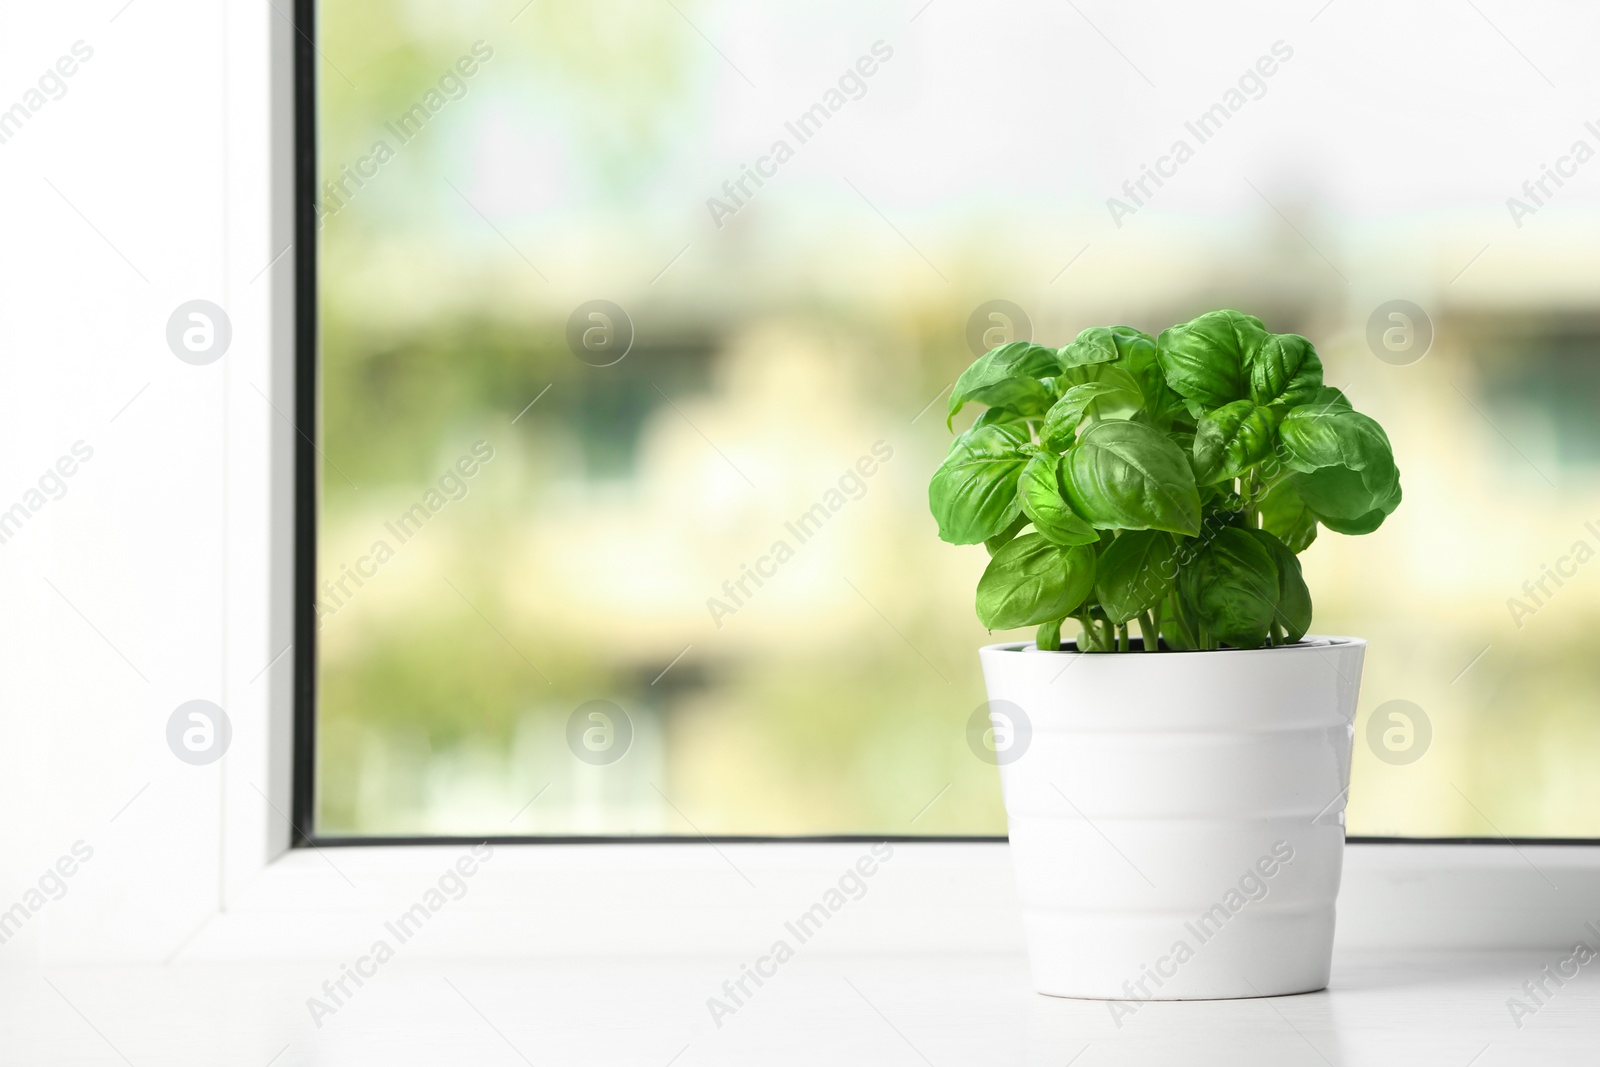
(545, 900)
(884, 1008)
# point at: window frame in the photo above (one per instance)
(278, 901)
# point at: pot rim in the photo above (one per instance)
(1309, 643)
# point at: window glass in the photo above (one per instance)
(636, 320)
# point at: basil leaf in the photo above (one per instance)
(1017, 360)
(1328, 397)
(1093, 345)
(997, 415)
(1172, 635)
(1207, 359)
(1286, 517)
(973, 494)
(1001, 539)
(1129, 476)
(1031, 581)
(1186, 635)
(1049, 637)
(1061, 421)
(1285, 371)
(1125, 396)
(1143, 364)
(1103, 344)
(1317, 437)
(1024, 396)
(1039, 490)
(1347, 501)
(1231, 590)
(1293, 609)
(1226, 512)
(1345, 467)
(1135, 573)
(1231, 439)
(1122, 397)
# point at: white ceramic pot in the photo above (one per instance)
(1176, 818)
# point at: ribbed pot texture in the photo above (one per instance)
(1176, 818)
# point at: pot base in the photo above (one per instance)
(1135, 1003)
(1166, 956)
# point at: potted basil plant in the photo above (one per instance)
(1175, 799)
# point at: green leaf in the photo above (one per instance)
(1132, 342)
(1142, 362)
(1225, 511)
(1231, 439)
(1186, 621)
(1328, 397)
(1129, 476)
(1346, 501)
(1001, 539)
(1104, 344)
(1293, 608)
(1135, 573)
(1346, 473)
(1231, 589)
(1316, 437)
(1025, 396)
(1031, 581)
(1093, 345)
(1039, 489)
(1207, 359)
(973, 494)
(1125, 396)
(1172, 635)
(1049, 638)
(995, 416)
(1015, 363)
(1286, 517)
(1285, 371)
(1061, 421)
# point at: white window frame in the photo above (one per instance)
(275, 900)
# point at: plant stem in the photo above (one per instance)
(1183, 626)
(1150, 630)
(1252, 512)
(1089, 640)
(1122, 638)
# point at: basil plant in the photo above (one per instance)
(1166, 480)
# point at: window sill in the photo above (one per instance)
(948, 1009)
(558, 900)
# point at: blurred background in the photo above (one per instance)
(538, 510)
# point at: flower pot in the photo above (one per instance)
(1176, 819)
